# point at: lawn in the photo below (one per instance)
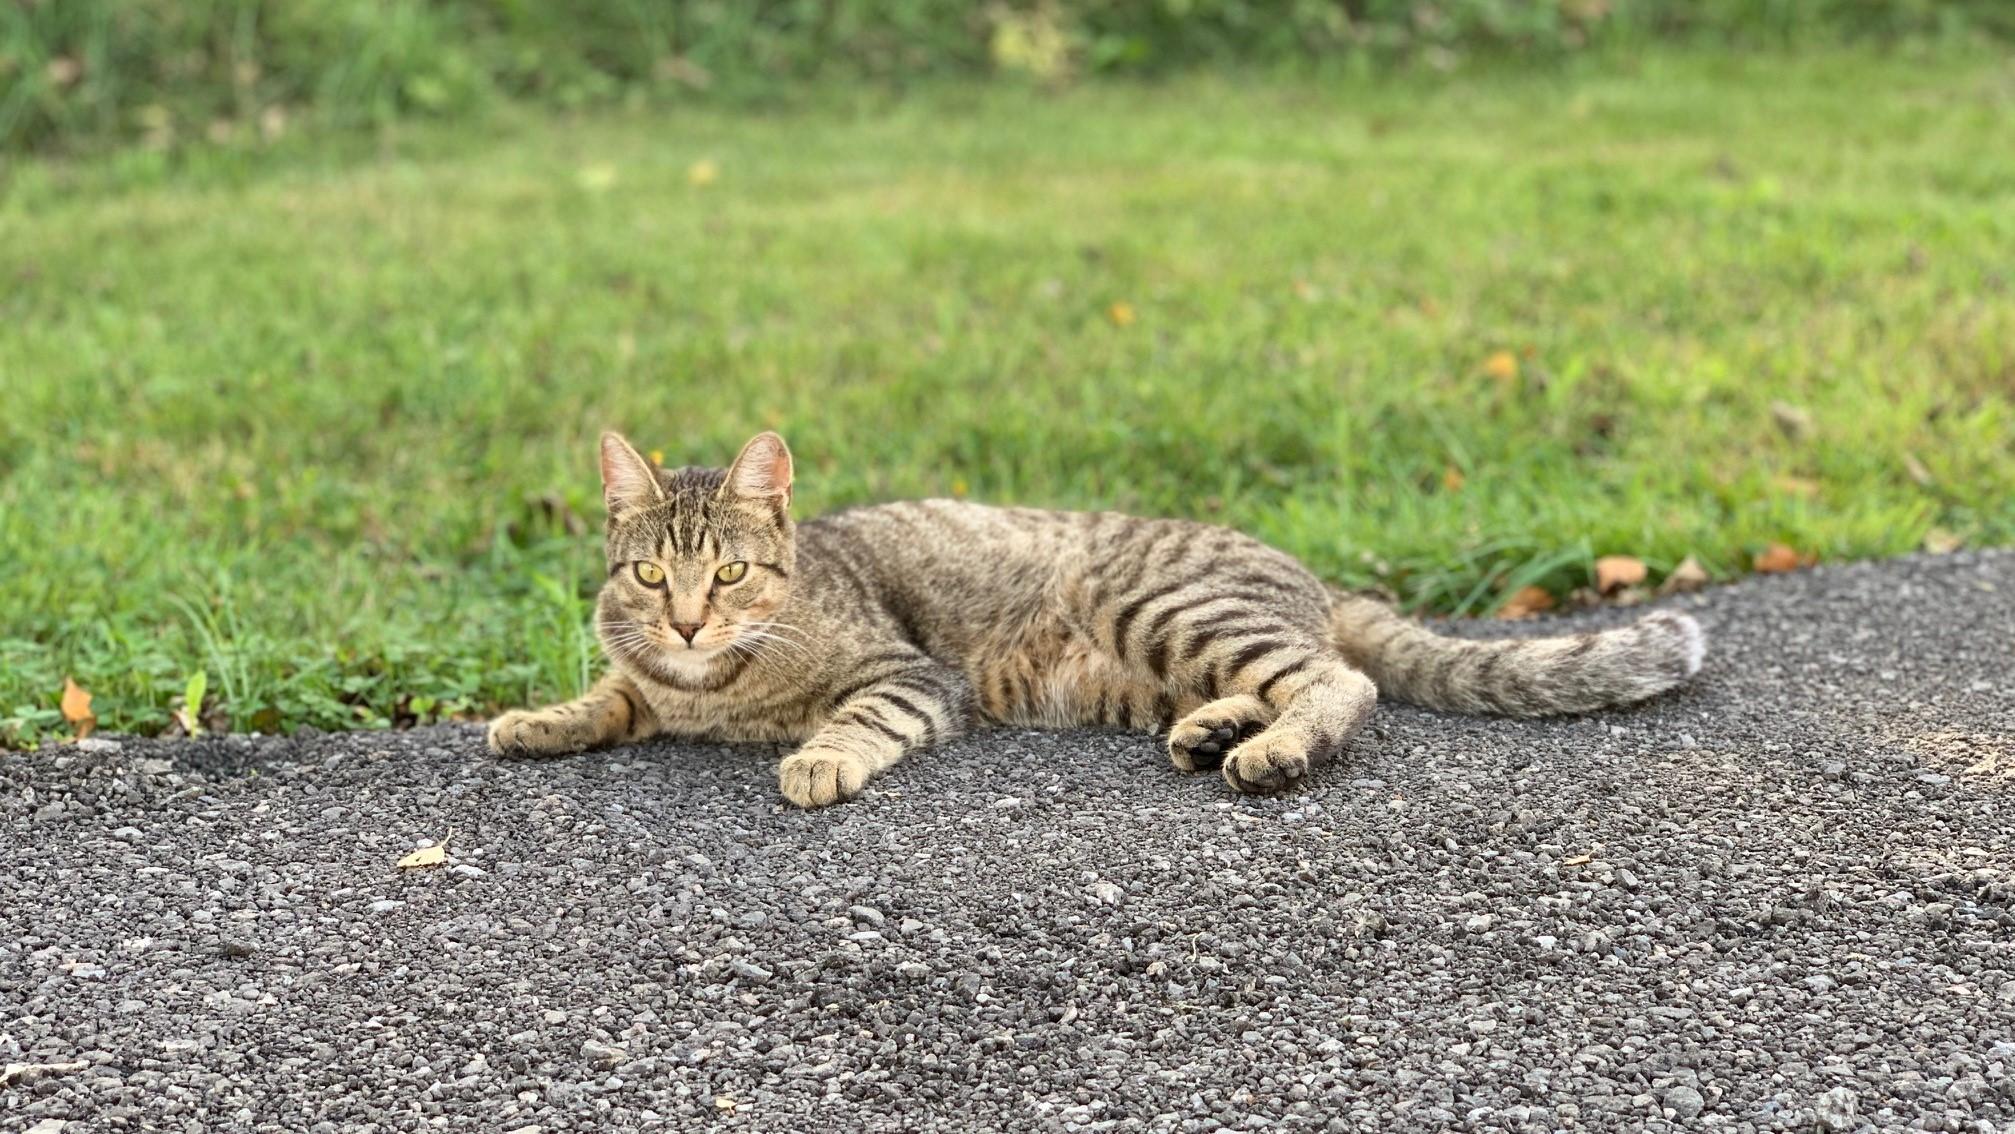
(318, 423)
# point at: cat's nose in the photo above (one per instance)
(687, 630)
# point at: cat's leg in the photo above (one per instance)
(1322, 704)
(874, 724)
(610, 713)
(1282, 699)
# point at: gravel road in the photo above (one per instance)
(1778, 901)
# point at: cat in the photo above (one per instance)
(882, 631)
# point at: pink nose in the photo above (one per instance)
(687, 630)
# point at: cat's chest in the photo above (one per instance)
(740, 711)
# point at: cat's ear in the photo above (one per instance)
(762, 471)
(628, 480)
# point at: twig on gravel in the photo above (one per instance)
(29, 1072)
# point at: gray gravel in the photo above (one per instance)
(1778, 901)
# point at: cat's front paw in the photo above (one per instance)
(818, 777)
(523, 732)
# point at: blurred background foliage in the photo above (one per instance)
(76, 73)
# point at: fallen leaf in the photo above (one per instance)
(428, 856)
(1793, 421)
(1121, 314)
(724, 1104)
(1501, 365)
(596, 178)
(1452, 479)
(77, 708)
(1777, 559)
(1917, 471)
(1578, 860)
(425, 856)
(1688, 576)
(1615, 572)
(703, 173)
(1938, 541)
(1526, 602)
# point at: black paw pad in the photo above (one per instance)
(1211, 751)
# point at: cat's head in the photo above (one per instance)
(700, 560)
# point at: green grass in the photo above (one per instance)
(316, 423)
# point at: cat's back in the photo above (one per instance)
(944, 559)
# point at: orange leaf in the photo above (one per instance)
(1615, 572)
(77, 708)
(1526, 602)
(1501, 365)
(1452, 479)
(1688, 576)
(1777, 559)
(1121, 314)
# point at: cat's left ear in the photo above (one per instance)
(762, 471)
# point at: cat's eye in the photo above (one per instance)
(649, 574)
(733, 572)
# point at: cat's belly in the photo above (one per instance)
(1052, 676)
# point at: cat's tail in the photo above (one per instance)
(1520, 677)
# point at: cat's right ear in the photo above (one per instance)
(629, 483)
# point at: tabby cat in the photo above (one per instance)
(877, 632)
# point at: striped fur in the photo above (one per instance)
(874, 633)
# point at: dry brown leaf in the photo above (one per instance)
(1526, 602)
(428, 856)
(1777, 559)
(1121, 314)
(1917, 471)
(1793, 421)
(77, 708)
(1615, 572)
(1578, 860)
(1501, 365)
(1452, 479)
(1688, 576)
(1938, 541)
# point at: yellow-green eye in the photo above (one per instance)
(733, 572)
(650, 574)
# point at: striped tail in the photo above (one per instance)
(1531, 677)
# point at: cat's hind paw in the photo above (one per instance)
(1202, 740)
